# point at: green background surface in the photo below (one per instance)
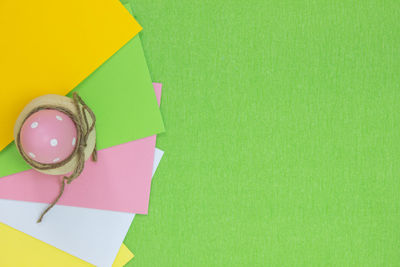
(283, 138)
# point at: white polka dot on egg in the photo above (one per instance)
(59, 118)
(73, 141)
(56, 160)
(34, 124)
(53, 142)
(32, 155)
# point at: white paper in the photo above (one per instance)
(92, 235)
(158, 154)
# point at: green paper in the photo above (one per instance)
(121, 95)
(283, 141)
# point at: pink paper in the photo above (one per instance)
(119, 181)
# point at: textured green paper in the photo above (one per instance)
(283, 134)
(121, 95)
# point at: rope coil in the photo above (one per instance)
(84, 128)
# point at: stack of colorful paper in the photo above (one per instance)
(93, 48)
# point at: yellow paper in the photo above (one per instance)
(21, 250)
(123, 257)
(51, 46)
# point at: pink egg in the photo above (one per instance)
(48, 136)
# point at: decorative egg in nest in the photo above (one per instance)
(48, 136)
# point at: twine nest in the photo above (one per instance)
(84, 120)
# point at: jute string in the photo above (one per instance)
(84, 128)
